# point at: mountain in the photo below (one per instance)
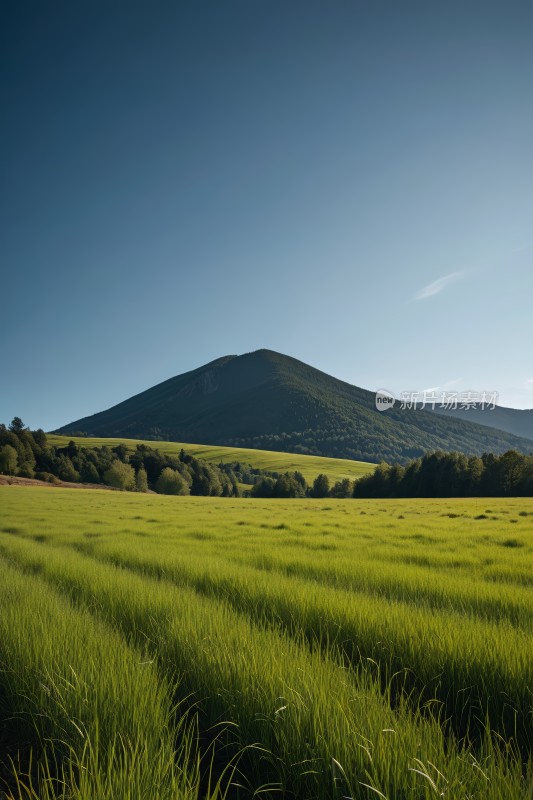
(512, 420)
(271, 401)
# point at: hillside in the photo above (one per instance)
(517, 421)
(266, 400)
(274, 461)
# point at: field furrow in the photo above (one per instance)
(459, 660)
(264, 650)
(81, 708)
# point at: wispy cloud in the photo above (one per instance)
(445, 387)
(437, 286)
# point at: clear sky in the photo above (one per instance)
(349, 183)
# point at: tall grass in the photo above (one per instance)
(266, 650)
(477, 668)
(94, 715)
(302, 708)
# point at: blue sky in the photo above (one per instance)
(348, 183)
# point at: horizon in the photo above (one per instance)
(349, 186)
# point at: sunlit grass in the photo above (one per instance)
(92, 711)
(273, 461)
(286, 620)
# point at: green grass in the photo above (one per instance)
(77, 697)
(344, 648)
(310, 466)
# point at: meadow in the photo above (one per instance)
(193, 647)
(310, 466)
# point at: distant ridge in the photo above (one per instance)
(271, 401)
(512, 420)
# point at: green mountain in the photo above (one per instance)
(513, 420)
(273, 402)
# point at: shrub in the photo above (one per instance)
(171, 482)
(141, 480)
(47, 477)
(26, 470)
(8, 459)
(120, 475)
(263, 488)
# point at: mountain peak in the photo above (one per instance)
(268, 400)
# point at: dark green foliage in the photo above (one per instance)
(16, 425)
(89, 473)
(205, 481)
(513, 420)
(290, 484)
(436, 474)
(39, 437)
(65, 469)
(26, 470)
(320, 486)
(263, 488)
(118, 467)
(121, 452)
(452, 475)
(343, 488)
(266, 400)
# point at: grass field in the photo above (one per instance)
(310, 466)
(316, 649)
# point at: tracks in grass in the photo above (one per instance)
(301, 706)
(459, 670)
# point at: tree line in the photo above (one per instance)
(28, 454)
(453, 474)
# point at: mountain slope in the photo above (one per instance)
(270, 401)
(512, 420)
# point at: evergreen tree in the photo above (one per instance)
(342, 488)
(321, 486)
(17, 425)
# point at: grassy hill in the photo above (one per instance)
(310, 466)
(268, 401)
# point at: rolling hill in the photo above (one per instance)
(269, 401)
(272, 460)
